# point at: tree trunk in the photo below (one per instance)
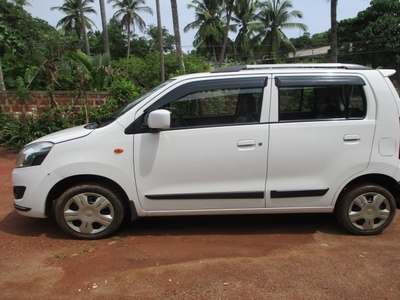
(334, 43)
(83, 25)
(106, 40)
(177, 34)
(229, 7)
(128, 53)
(160, 42)
(2, 85)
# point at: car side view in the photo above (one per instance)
(257, 139)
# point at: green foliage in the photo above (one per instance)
(372, 38)
(168, 39)
(20, 130)
(195, 63)
(306, 42)
(60, 255)
(3, 119)
(86, 72)
(26, 43)
(209, 25)
(117, 40)
(123, 91)
(144, 72)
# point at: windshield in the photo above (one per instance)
(140, 99)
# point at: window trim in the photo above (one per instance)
(209, 84)
(342, 84)
(196, 86)
(320, 80)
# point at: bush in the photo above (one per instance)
(19, 130)
(122, 91)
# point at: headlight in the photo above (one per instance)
(33, 154)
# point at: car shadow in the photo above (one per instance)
(16, 224)
(234, 225)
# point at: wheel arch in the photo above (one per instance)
(66, 183)
(383, 180)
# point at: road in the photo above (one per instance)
(230, 257)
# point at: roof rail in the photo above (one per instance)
(291, 66)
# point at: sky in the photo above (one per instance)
(316, 15)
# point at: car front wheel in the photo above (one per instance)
(366, 209)
(89, 211)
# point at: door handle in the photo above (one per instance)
(352, 137)
(246, 143)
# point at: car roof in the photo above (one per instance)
(263, 69)
(291, 66)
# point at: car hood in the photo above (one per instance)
(65, 135)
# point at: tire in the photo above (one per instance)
(366, 209)
(89, 212)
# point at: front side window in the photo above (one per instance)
(216, 106)
(342, 100)
(209, 102)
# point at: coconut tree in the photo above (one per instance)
(244, 16)
(334, 29)
(106, 40)
(84, 31)
(160, 41)
(209, 25)
(273, 18)
(128, 11)
(21, 2)
(175, 20)
(229, 7)
(75, 16)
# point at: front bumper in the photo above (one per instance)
(36, 183)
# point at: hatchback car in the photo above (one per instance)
(258, 139)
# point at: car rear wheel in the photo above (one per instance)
(366, 209)
(89, 211)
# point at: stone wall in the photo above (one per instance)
(10, 101)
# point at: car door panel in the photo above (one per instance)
(202, 168)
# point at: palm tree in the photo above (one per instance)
(106, 40)
(21, 2)
(177, 34)
(84, 31)
(209, 24)
(244, 16)
(273, 18)
(160, 41)
(73, 19)
(128, 11)
(229, 6)
(334, 37)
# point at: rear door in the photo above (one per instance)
(322, 135)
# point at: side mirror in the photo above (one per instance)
(159, 119)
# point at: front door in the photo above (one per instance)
(206, 160)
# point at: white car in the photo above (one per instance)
(259, 139)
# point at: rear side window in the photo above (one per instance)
(316, 98)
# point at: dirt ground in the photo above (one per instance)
(233, 257)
